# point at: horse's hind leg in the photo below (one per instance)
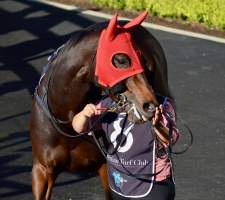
(42, 182)
(104, 179)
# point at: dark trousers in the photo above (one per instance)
(164, 190)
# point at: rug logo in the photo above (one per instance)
(126, 132)
(118, 179)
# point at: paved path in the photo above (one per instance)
(30, 31)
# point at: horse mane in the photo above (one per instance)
(77, 37)
(80, 34)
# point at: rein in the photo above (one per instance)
(43, 103)
(119, 105)
(43, 100)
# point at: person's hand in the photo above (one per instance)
(161, 131)
(91, 110)
(158, 115)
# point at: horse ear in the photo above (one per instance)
(137, 21)
(112, 27)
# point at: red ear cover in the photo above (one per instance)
(112, 28)
(137, 21)
(116, 39)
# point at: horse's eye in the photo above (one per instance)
(121, 60)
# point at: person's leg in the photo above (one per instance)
(164, 190)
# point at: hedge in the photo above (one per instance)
(208, 12)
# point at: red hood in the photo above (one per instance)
(116, 39)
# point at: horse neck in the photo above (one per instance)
(71, 81)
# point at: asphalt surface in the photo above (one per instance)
(29, 32)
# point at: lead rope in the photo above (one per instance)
(169, 148)
(182, 122)
(117, 107)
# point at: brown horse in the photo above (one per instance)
(67, 85)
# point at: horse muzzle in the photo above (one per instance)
(139, 113)
(149, 110)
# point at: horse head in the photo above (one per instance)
(121, 64)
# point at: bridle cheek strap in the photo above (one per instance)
(135, 111)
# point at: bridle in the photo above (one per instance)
(119, 104)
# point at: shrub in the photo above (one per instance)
(208, 12)
(136, 4)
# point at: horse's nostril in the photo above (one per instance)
(149, 107)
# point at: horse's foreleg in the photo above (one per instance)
(104, 179)
(39, 181)
(42, 182)
(51, 179)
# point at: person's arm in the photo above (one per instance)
(80, 121)
(165, 118)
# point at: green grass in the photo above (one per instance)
(208, 12)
